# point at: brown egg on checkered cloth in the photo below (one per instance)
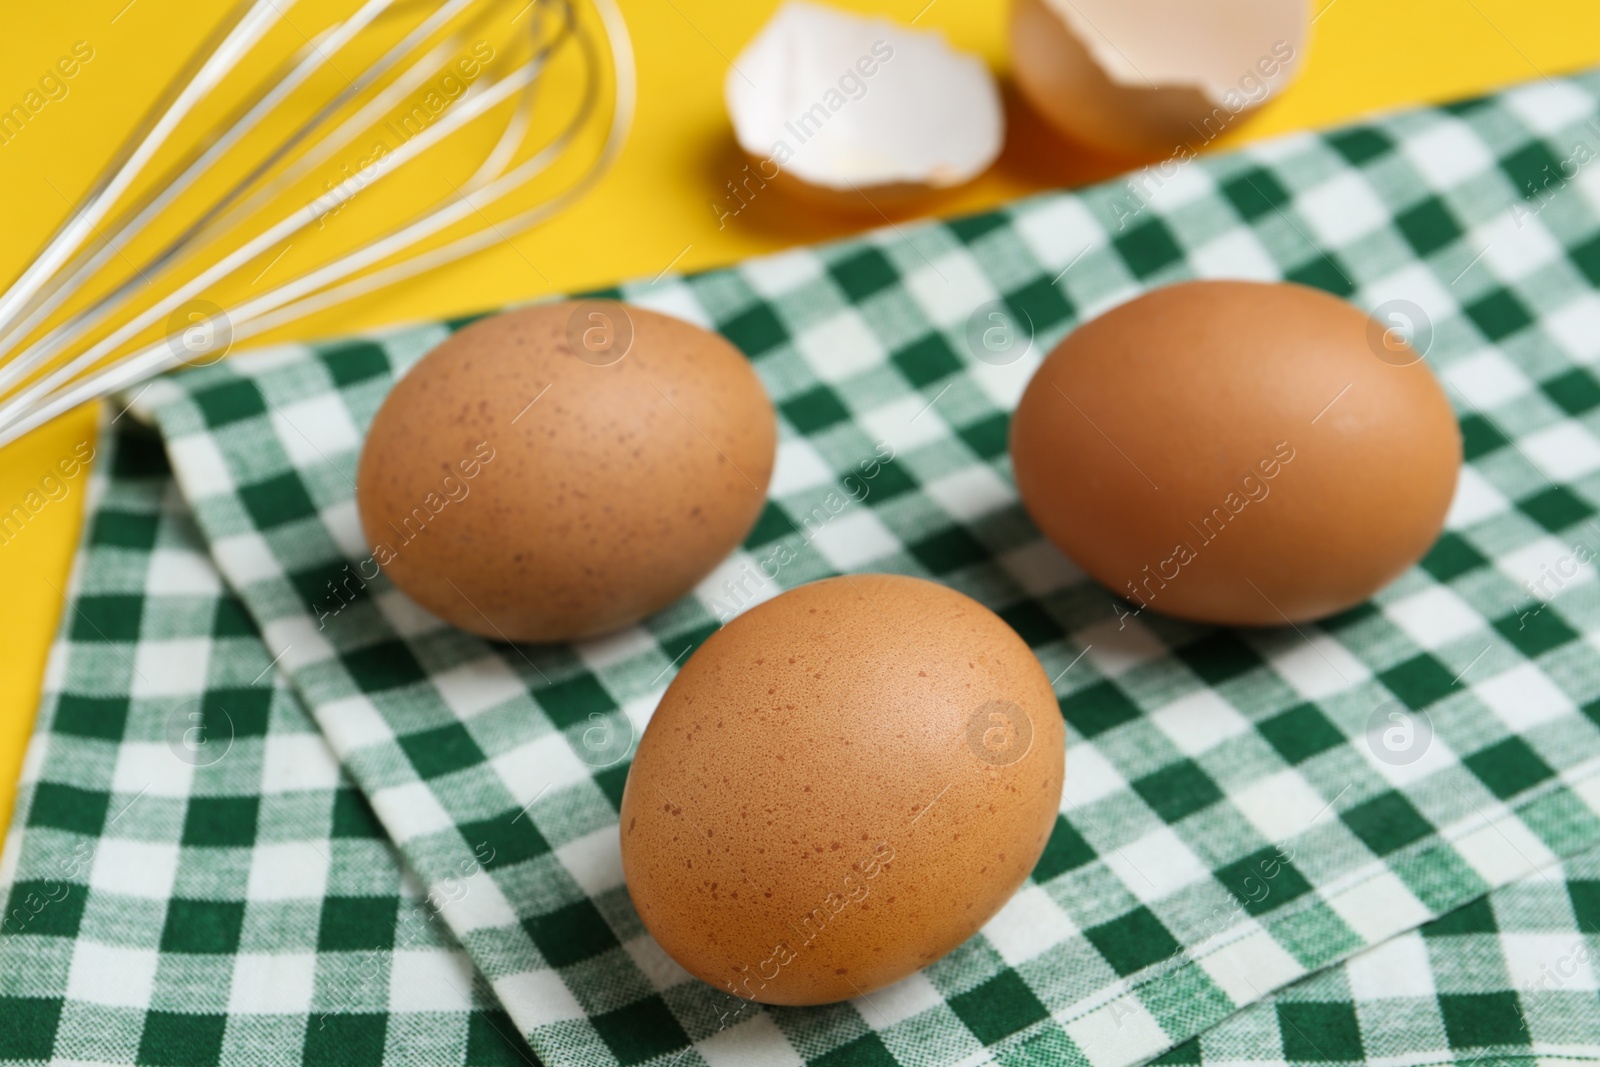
(565, 470)
(842, 785)
(1244, 453)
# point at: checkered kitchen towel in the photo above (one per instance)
(251, 914)
(1230, 822)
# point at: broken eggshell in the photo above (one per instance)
(1148, 77)
(854, 112)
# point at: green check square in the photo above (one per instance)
(1530, 167)
(123, 529)
(1133, 941)
(1254, 192)
(1301, 732)
(84, 716)
(230, 402)
(46, 907)
(357, 924)
(1477, 1020)
(570, 934)
(1032, 623)
(1585, 896)
(355, 361)
(1320, 1032)
(140, 454)
(1185, 1055)
(339, 1040)
(1178, 790)
(1261, 881)
(277, 501)
(814, 410)
(202, 926)
(381, 666)
(1419, 681)
(1386, 823)
(611, 782)
(1065, 851)
(1452, 556)
(244, 712)
(866, 272)
(504, 840)
(352, 816)
(1147, 248)
(66, 807)
(442, 750)
(173, 1039)
(1586, 257)
(640, 1031)
(1219, 657)
(106, 617)
(987, 436)
(1360, 144)
(1323, 272)
(865, 1051)
(1429, 226)
(231, 620)
(927, 360)
(574, 700)
(493, 1041)
(969, 230)
(999, 1007)
(948, 551)
(1097, 708)
(773, 525)
(28, 1029)
(1509, 767)
(221, 822)
(1536, 632)
(1556, 508)
(1499, 314)
(1576, 392)
(1470, 919)
(755, 331)
(1479, 437)
(1041, 304)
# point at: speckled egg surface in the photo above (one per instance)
(564, 470)
(842, 785)
(1243, 453)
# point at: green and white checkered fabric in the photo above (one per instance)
(191, 879)
(1228, 826)
(1510, 977)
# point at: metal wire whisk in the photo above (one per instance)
(76, 325)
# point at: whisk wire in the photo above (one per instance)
(92, 373)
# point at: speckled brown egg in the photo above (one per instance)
(842, 785)
(564, 470)
(1241, 453)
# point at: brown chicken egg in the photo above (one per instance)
(1237, 452)
(841, 786)
(564, 470)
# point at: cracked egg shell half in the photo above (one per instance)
(841, 785)
(1154, 77)
(564, 470)
(855, 113)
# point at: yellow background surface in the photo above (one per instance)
(653, 211)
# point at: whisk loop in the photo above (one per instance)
(72, 330)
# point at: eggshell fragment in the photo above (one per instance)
(854, 111)
(1147, 77)
(842, 785)
(1237, 452)
(564, 470)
